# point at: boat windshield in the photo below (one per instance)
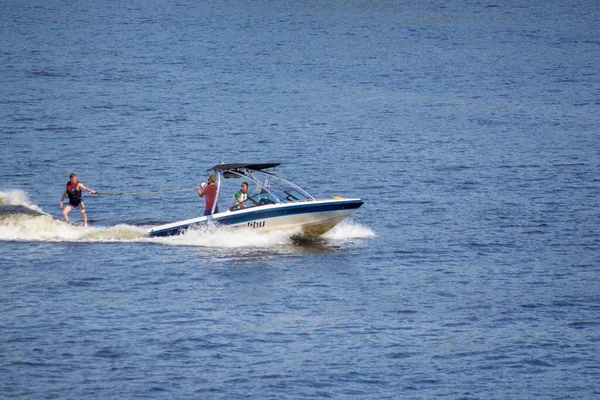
(270, 189)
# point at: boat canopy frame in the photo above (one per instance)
(241, 170)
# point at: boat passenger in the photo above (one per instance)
(241, 196)
(73, 190)
(210, 191)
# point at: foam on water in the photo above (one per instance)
(223, 237)
(349, 230)
(17, 197)
(24, 227)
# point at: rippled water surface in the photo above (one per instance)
(470, 130)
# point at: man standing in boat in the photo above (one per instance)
(210, 191)
(73, 190)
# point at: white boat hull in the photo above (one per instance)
(313, 218)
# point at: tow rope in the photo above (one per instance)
(141, 193)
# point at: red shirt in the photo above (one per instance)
(210, 194)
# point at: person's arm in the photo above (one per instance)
(201, 193)
(62, 198)
(201, 189)
(82, 186)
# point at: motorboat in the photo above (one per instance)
(276, 204)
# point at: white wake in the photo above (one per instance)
(21, 220)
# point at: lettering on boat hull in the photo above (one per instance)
(256, 224)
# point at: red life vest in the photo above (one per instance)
(72, 191)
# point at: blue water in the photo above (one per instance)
(471, 130)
